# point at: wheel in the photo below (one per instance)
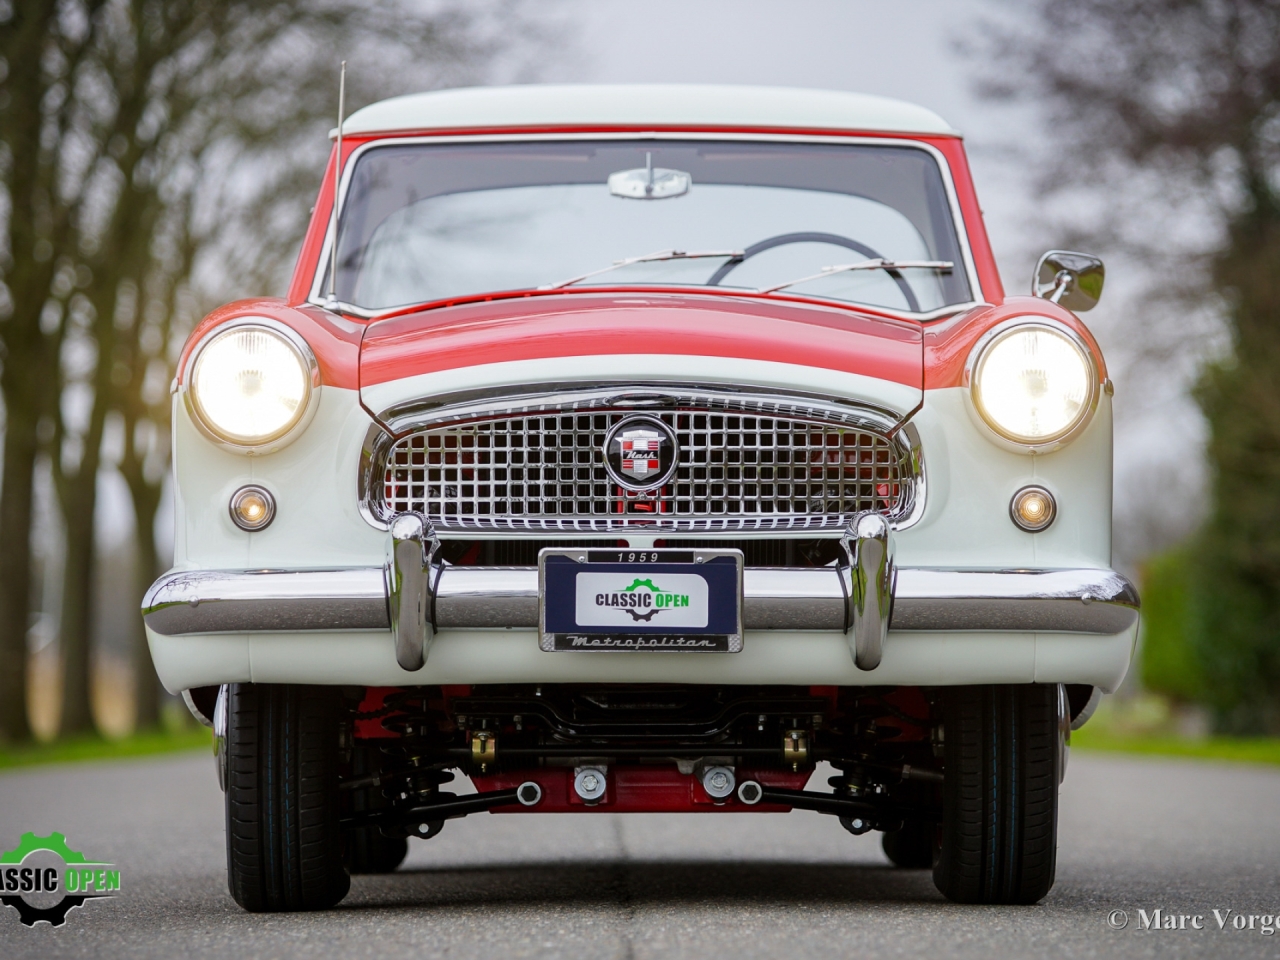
(1000, 796)
(369, 851)
(284, 840)
(911, 847)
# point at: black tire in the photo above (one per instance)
(369, 851)
(910, 848)
(1000, 796)
(284, 840)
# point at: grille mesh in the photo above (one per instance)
(736, 471)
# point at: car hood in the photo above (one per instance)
(507, 344)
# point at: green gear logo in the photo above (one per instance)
(642, 583)
(29, 888)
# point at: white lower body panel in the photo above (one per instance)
(367, 658)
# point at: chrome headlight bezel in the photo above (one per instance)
(1022, 444)
(279, 438)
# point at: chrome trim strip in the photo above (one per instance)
(235, 601)
(792, 598)
(430, 413)
(350, 310)
(492, 597)
(1097, 601)
(640, 395)
(948, 181)
(1087, 601)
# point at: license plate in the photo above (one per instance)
(652, 601)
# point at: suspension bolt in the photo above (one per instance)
(795, 748)
(590, 783)
(719, 782)
(529, 794)
(484, 750)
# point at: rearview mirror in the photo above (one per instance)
(1071, 279)
(649, 182)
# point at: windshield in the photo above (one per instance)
(424, 222)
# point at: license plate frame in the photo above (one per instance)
(561, 603)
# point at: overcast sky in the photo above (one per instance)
(910, 50)
(904, 49)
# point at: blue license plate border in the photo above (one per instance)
(720, 568)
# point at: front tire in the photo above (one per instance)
(284, 840)
(1000, 796)
(369, 851)
(910, 848)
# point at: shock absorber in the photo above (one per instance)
(413, 775)
(853, 783)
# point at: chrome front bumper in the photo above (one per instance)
(1088, 601)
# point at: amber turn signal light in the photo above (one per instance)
(1033, 509)
(252, 508)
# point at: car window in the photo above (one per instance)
(424, 222)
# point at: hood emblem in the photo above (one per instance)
(640, 453)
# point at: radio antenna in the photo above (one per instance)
(337, 181)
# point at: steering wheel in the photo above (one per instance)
(834, 239)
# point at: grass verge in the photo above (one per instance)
(98, 748)
(1264, 750)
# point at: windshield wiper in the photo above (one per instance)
(646, 258)
(877, 264)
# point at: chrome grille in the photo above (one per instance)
(737, 471)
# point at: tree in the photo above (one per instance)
(159, 153)
(39, 57)
(1175, 104)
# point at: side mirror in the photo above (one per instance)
(1071, 279)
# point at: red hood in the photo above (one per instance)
(579, 324)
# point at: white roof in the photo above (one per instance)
(659, 105)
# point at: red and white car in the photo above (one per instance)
(648, 446)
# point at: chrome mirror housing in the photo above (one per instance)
(1073, 280)
(649, 182)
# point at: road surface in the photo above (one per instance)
(1135, 835)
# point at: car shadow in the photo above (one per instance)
(631, 883)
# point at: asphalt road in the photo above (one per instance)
(1135, 834)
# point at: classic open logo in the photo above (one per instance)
(44, 879)
(660, 600)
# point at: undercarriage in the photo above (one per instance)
(963, 779)
(645, 748)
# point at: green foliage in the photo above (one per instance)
(1236, 602)
(90, 747)
(1238, 749)
(1169, 663)
(1151, 723)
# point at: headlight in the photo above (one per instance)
(1033, 384)
(251, 384)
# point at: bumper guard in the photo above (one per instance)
(864, 596)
